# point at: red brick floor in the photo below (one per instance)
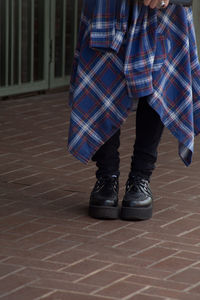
(50, 248)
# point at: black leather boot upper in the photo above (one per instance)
(105, 192)
(138, 193)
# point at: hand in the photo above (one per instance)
(156, 3)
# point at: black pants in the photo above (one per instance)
(149, 130)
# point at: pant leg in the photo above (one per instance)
(107, 157)
(149, 129)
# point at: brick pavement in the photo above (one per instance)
(50, 248)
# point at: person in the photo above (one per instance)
(131, 49)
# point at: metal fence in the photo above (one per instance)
(37, 39)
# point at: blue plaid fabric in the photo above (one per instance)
(154, 54)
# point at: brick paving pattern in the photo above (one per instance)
(50, 248)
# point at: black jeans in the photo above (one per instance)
(149, 130)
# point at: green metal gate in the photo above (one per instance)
(37, 39)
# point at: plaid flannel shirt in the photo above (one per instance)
(156, 56)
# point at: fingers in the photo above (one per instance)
(166, 3)
(156, 3)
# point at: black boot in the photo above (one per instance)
(138, 200)
(104, 198)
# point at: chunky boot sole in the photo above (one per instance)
(136, 213)
(103, 212)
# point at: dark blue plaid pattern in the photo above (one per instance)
(156, 56)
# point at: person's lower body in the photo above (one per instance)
(104, 196)
(138, 200)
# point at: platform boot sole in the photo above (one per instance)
(103, 212)
(136, 213)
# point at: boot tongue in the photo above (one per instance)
(137, 183)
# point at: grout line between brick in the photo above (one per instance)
(164, 209)
(25, 236)
(128, 240)
(59, 252)
(85, 179)
(163, 259)
(37, 183)
(109, 285)
(136, 293)
(148, 248)
(48, 226)
(174, 221)
(173, 181)
(17, 135)
(17, 213)
(24, 177)
(51, 190)
(13, 272)
(16, 170)
(192, 287)
(180, 270)
(46, 295)
(5, 154)
(78, 293)
(38, 146)
(63, 197)
(47, 152)
(163, 297)
(26, 141)
(83, 259)
(79, 171)
(161, 175)
(93, 224)
(77, 261)
(17, 289)
(11, 162)
(111, 231)
(94, 272)
(188, 231)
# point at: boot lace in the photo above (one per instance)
(109, 182)
(138, 183)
